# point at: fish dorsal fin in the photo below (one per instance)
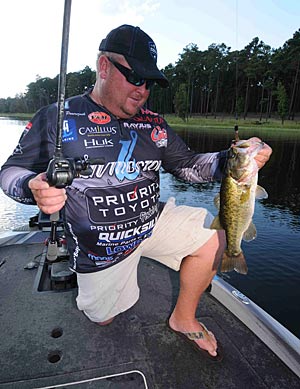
(261, 193)
(216, 224)
(250, 233)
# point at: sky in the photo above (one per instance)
(31, 30)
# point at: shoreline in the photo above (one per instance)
(220, 122)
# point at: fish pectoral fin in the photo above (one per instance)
(217, 201)
(234, 262)
(261, 193)
(216, 224)
(250, 233)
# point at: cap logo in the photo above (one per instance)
(152, 49)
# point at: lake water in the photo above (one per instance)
(273, 258)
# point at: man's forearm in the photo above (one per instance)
(14, 183)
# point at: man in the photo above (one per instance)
(113, 215)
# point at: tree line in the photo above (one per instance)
(257, 79)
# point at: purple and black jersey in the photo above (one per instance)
(112, 210)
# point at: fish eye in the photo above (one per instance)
(232, 153)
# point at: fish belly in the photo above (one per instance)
(236, 211)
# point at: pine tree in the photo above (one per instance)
(282, 105)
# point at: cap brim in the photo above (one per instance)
(148, 71)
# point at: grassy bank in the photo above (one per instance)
(227, 122)
(20, 116)
(250, 125)
(247, 128)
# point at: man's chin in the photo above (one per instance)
(130, 112)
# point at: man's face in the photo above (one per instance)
(119, 96)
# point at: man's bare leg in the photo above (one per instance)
(196, 273)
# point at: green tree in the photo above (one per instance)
(282, 99)
(180, 101)
(292, 48)
(73, 85)
(240, 104)
(87, 78)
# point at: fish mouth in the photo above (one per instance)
(247, 148)
(241, 164)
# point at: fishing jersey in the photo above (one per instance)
(113, 207)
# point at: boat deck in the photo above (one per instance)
(47, 342)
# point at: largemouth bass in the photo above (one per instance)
(236, 202)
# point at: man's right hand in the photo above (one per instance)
(48, 198)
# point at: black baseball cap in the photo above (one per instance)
(138, 49)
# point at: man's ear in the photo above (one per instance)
(103, 66)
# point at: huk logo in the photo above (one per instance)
(99, 117)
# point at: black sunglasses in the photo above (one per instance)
(131, 76)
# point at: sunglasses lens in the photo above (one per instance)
(134, 79)
(130, 75)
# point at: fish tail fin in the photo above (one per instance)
(234, 262)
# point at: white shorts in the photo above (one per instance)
(179, 232)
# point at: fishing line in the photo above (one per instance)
(236, 127)
(62, 77)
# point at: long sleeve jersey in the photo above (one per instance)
(114, 207)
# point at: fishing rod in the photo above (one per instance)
(236, 127)
(61, 171)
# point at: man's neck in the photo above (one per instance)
(94, 96)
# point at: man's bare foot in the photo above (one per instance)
(208, 342)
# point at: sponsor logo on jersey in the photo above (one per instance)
(125, 248)
(69, 131)
(125, 155)
(99, 117)
(18, 149)
(159, 136)
(120, 169)
(69, 113)
(148, 112)
(149, 119)
(97, 258)
(148, 116)
(28, 126)
(115, 226)
(138, 126)
(106, 204)
(123, 236)
(97, 143)
(97, 130)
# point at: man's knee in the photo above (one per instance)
(216, 244)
